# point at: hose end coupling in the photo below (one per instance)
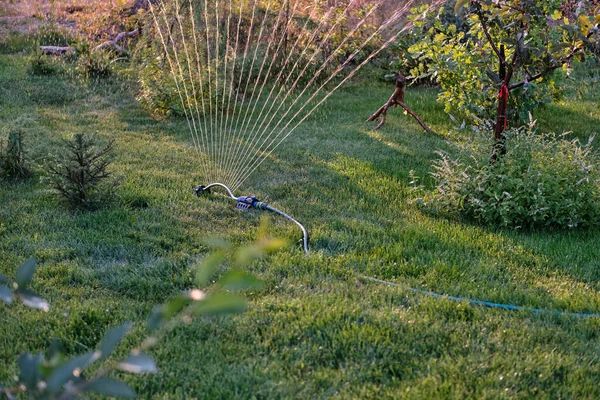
(201, 189)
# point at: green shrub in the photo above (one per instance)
(42, 64)
(543, 181)
(92, 63)
(284, 56)
(12, 156)
(53, 35)
(158, 89)
(80, 175)
(15, 42)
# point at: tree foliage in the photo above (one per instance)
(528, 46)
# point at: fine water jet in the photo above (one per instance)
(249, 73)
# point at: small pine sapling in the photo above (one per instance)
(12, 159)
(81, 174)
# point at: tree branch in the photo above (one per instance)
(536, 76)
(550, 68)
(397, 99)
(490, 40)
(116, 40)
(60, 50)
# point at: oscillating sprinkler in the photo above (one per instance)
(245, 203)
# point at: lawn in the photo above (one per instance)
(318, 329)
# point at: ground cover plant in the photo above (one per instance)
(317, 330)
(543, 181)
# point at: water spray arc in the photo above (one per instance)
(245, 203)
(248, 73)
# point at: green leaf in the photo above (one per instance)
(273, 245)
(219, 304)
(25, 273)
(216, 243)
(246, 255)
(29, 367)
(138, 364)
(6, 295)
(240, 280)
(556, 15)
(64, 373)
(110, 387)
(112, 338)
(459, 5)
(32, 300)
(54, 352)
(155, 319)
(175, 305)
(207, 267)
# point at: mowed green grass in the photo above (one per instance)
(318, 330)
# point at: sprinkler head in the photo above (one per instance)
(201, 190)
(245, 202)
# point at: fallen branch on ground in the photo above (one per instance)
(397, 99)
(56, 50)
(60, 50)
(115, 42)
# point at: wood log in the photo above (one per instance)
(56, 50)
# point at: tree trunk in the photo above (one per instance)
(502, 114)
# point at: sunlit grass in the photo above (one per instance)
(317, 330)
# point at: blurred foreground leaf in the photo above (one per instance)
(111, 387)
(138, 364)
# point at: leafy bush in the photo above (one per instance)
(15, 42)
(41, 64)
(53, 35)
(543, 181)
(291, 51)
(159, 93)
(12, 160)
(81, 174)
(59, 377)
(84, 62)
(48, 35)
(92, 63)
